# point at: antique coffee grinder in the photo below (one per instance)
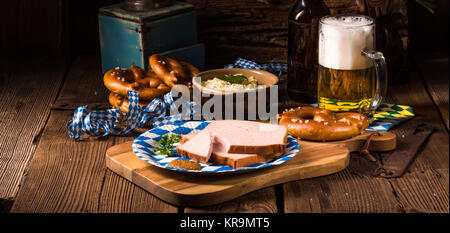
(131, 31)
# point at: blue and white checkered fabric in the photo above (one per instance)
(387, 116)
(102, 123)
(273, 67)
(144, 145)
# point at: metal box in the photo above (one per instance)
(128, 37)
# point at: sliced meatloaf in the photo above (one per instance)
(197, 148)
(249, 137)
(221, 145)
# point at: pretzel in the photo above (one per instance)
(122, 102)
(147, 84)
(171, 71)
(322, 125)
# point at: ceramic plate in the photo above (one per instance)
(144, 145)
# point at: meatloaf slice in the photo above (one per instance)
(220, 155)
(239, 160)
(197, 148)
(249, 137)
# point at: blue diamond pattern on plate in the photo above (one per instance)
(144, 145)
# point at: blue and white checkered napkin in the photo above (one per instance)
(102, 123)
(273, 67)
(388, 115)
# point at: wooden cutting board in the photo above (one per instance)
(181, 189)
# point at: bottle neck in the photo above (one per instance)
(296, 10)
(307, 7)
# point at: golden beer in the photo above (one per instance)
(351, 75)
(346, 90)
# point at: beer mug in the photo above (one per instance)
(352, 76)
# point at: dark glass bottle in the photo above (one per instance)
(303, 50)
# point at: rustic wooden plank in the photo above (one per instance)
(258, 29)
(120, 195)
(425, 191)
(403, 194)
(424, 187)
(412, 93)
(70, 176)
(433, 67)
(254, 29)
(341, 192)
(261, 201)
(84, 84)
(64, 175)
(29, 85)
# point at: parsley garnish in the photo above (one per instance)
(238, 79)
(166, 144)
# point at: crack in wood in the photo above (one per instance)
(37, 137)
(99, 198)
(398, 202)
(22, 178)
(70, 63)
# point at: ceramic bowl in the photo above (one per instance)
(264, 78)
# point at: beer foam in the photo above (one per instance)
(341, 40)
(347, 21)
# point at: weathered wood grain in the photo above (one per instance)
(64, 175)
(120, 195)
(84, 83)
(260, 201)
(28, 86)
(70, 176)
(425, 191)
(424, 187)
(258, 29)
(412, 93)
(433, 68)
(343, 192)
(231, 29)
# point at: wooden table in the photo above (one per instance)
(43, 170)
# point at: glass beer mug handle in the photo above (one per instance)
(381, 79)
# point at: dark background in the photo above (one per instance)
(70, 27)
